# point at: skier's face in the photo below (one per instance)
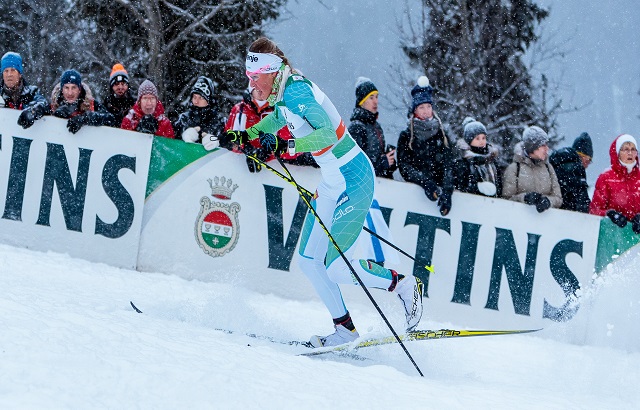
(480, 141)
(628, 153)
(262, 83)
(70, 92)
(11, 77)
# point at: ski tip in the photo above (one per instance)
(135, 307)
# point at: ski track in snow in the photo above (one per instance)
(69, 339)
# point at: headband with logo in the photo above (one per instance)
(260, 63)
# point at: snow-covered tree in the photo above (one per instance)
(44, 32)
(473, 52)
(174, 41)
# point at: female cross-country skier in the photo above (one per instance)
(342, 198)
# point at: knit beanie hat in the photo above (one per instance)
(71, 77)
(11, 60)
(625, 138)
(472, 129)
(534, 137)
(364, 88)
(147, 88)
(118, 75)
(421, 93)
(583, 145)
(204, 87)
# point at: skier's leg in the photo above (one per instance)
(313, 248)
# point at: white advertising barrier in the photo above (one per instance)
(497, 263)
(79, 194)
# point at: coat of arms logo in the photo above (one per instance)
(217, 228)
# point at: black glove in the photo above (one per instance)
(75, 123)
(260, 153)
(26, 118)
(617, 218)
(444, 203)
(635, 224)
(431, 190)
(65, 110)
(543, 204)
(532, 198)
(148, 124)
(232, 137)
(272, 143)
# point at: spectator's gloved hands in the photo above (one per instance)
(75, 123)
(431, 190)
(617, 218)
(635, 224)
(26, 118)
(487, 188)
(209, 141)
(191, 134)
(543, 204)
(272, 143)
(532, 198)
(444, 203)
(148, 124)
(65, 110)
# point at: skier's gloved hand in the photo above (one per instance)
(209, 141)
(75, 123)
(431, 190)
(444, 203)
(191, 134)
(65, 110)
(148, 124)
(234, 137)
(259, 153)
(532, 198)
(487, 188)
(617, 218)
(543, 204)
(635, 224)
(272, 143)
(26, 118)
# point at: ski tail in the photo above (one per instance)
(135, 307)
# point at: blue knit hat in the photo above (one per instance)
(421, 93)
(11, 60)
(71, 76)
(583, 144)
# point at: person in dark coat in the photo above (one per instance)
(17, 94)
(570, 164)
(367, 132)
(201, 118)
(72, 99)
(120, 97)
(475, 168)
(425, 154)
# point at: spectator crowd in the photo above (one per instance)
(425, 154)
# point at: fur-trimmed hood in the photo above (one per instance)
(86, 98)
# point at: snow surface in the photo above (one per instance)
(69, 339)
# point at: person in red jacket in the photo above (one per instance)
(617, 193)
(249, 112)
(147, 114)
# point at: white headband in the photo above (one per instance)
(260, 63)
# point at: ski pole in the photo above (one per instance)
(306, 199)
(303, 191)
